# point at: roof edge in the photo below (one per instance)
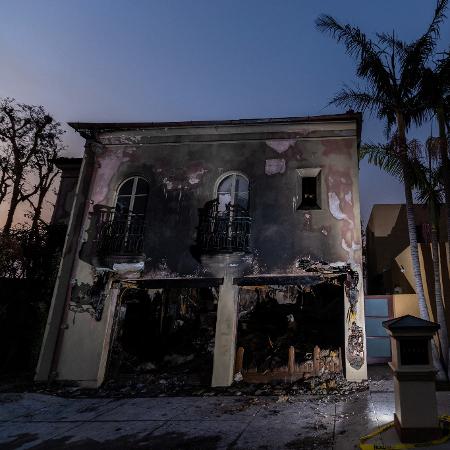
(107, 126)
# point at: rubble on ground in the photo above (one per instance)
(329, 386)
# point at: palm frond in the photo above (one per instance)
(368, 54)
(428, 186)
(389, 40)
(355, 41)
(419, 52)
(442, 70)
(432, 145)
(382, 156)
(357, 99)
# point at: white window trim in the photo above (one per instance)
(133, 194)
(233, 173)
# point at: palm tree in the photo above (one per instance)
(391, 71)
(435, 93)
(429, 192)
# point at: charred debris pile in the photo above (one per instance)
(327, 386)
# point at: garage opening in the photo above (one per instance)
(290, 332)
(165, 334)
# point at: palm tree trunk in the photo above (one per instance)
(423, 309)
(410, 218)
(440, 314)
(414, 247)
(443, 150)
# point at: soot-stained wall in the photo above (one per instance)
(182, 168)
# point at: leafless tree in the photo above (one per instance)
(44, 166)
(30, 140)
(5, 179)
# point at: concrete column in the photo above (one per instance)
(112, 305)
(69, 254)
(226, 325)
(355, 351)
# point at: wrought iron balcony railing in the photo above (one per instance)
(223, 231)
(119, 234)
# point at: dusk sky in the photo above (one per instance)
(163, 60)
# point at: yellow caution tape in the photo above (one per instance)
(445, 420)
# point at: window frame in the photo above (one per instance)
(133, 194)
(234, 174)
(130, 214)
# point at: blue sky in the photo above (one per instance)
(159, 60)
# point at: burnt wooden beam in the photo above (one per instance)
(279, 280)
(161, 283)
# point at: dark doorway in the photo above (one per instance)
(165, 333)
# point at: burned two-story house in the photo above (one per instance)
(221, 249)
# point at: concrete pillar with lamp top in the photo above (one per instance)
(416, 418)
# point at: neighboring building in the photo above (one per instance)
(390, 278)
(219, 246)
(386, 238)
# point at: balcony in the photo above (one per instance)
(119, 235)
(223, 231)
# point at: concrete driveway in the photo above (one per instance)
(301, 422)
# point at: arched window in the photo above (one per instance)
(132, 198)
(224, 224)
(127, 229)
(232, 189)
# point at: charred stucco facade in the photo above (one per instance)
(182, 163)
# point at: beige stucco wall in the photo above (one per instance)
(404, 259)
(404, 304)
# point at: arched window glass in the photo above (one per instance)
(232, 190)
(132, 197)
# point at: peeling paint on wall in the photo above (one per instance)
(340, 148)
(90, 298)
(348, 197)
(352, 250)
(281, 145)
(340, 202)
(168, 184)
(181, 178)
(274, 166)
(110, 161)
(194, 178)
(335, 208)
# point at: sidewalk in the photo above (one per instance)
(300, 422)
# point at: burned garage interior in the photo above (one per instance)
(211, 253)
(284, 333)
(167, 331)
(290, 332)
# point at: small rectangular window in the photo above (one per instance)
(309, 192)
